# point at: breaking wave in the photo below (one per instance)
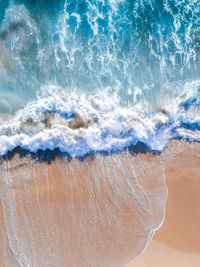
(98, 76)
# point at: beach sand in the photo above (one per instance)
(48, 220)
(177, 243)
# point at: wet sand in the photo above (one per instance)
(177, 243)
(43, 220)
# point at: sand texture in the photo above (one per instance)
(103, 211)
(177, 243)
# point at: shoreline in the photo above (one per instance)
(177, 242)
(45, 190)
(49, 155)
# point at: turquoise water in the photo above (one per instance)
(107, 62)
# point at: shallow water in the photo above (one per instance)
(81, 213)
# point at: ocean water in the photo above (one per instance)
(128, 70)
(93, 77)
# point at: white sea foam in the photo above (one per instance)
(79, 125)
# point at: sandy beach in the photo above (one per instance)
(177, 243)
(50, 220)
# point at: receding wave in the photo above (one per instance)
(100, 212)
